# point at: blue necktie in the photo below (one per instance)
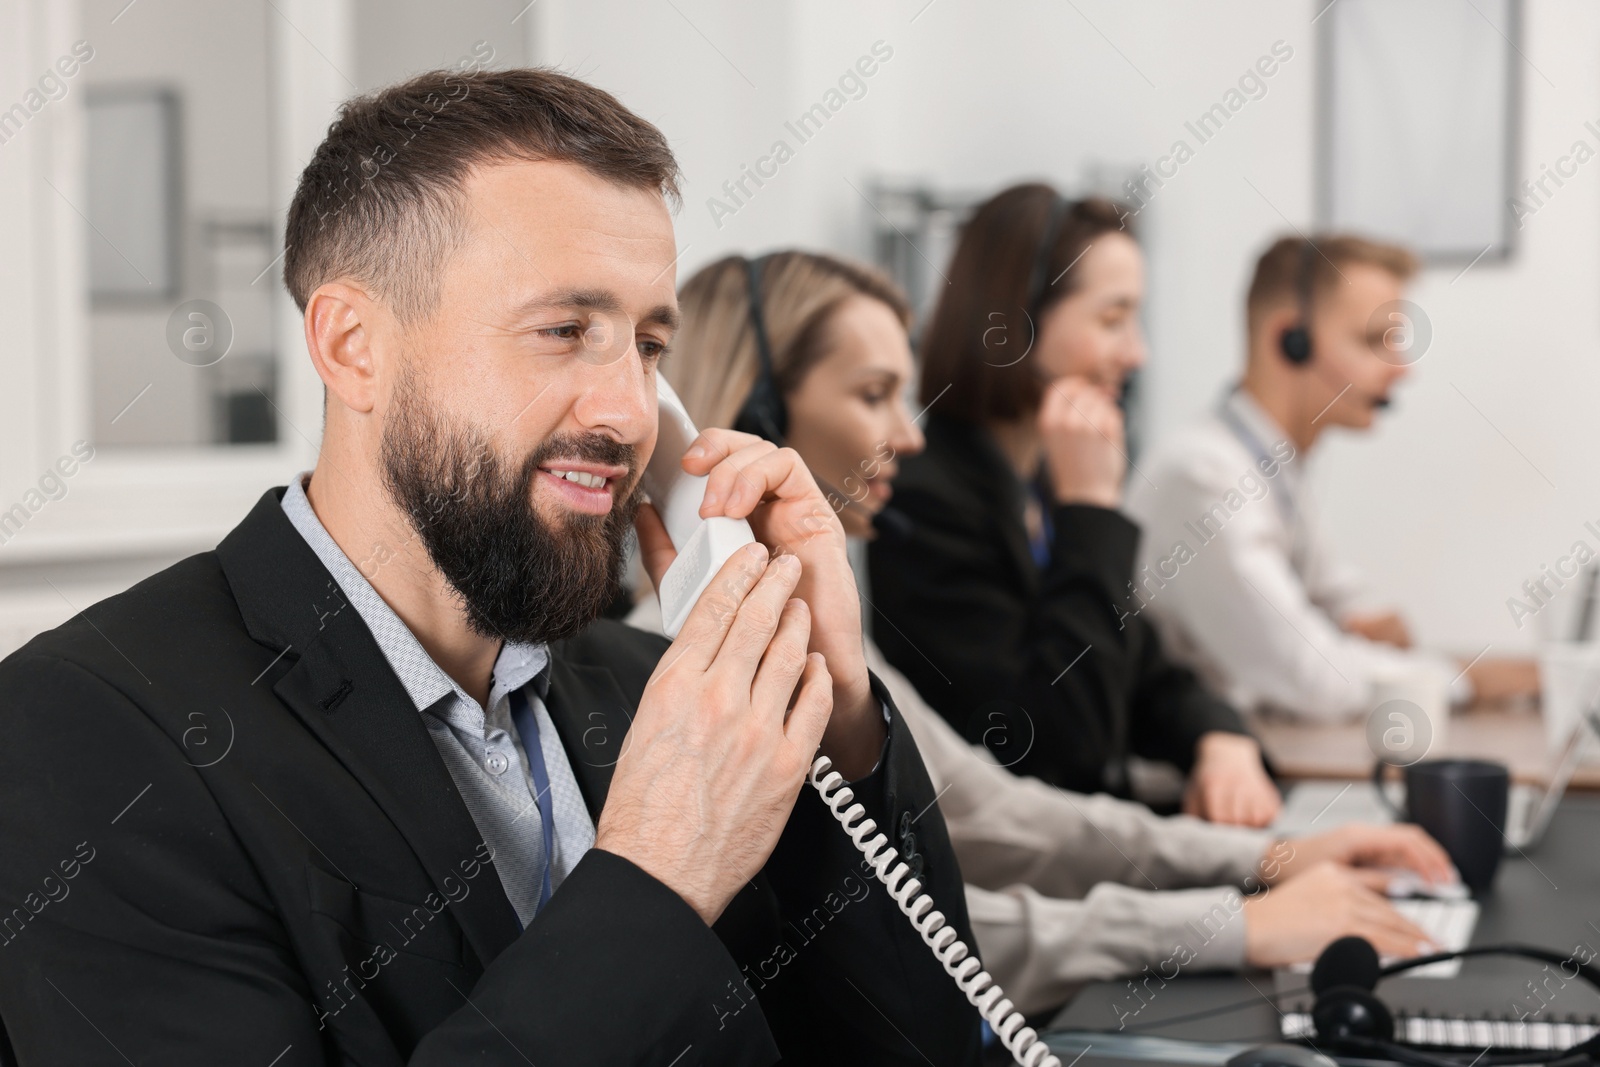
(1040, 545)
(528, 727)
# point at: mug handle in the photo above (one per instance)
(1383, 795)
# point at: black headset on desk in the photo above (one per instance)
(1350, 1018)
(765, 415)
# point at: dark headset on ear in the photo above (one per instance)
(1039, 281)
(763, 413)
(1295, 341)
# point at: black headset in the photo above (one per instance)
(1295, 341)
(1349, 1017)
(1039, 282)
(763, 413)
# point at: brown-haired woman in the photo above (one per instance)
(1010, 599)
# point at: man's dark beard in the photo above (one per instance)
(518, 577)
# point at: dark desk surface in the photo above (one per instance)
(1549, 897)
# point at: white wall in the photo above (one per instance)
(1437, 505)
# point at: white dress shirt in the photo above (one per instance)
(1238, 578)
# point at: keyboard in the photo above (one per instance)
(1449, 923)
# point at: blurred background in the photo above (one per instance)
(148, 150)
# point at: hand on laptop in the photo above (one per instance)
(1229, 784)
(1401, 845)
(1293, 921)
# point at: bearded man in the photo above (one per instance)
(369, 784)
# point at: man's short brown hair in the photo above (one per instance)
(381, 200)
(1293, 265)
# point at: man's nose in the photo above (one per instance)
(619, 396)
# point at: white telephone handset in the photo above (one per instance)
(703, 545)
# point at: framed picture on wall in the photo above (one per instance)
(134, 193)
(1417, 113)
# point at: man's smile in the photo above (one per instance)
(584, 487)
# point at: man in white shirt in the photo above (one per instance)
(1232, 565)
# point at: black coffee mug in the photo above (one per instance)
(1462, 805)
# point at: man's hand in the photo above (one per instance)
(716, 754)
(771, 487)
(1083, 442)
(1402, 846)
(1296, 920)
(1229, 784)
(1503, 678)
(1385, 627)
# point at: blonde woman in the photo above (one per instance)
(1062, 888)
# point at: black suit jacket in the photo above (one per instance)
(228, 838)
(1050, 668)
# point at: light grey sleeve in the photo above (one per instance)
(1042, 949)
(1011, 830)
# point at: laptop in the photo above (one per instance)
(1446, 913)
(1530, 808)
(1312, 807)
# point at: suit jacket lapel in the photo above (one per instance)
(975, 452)
(336, 680)
(592, 716)
(345, 691)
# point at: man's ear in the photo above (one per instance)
(339, 337)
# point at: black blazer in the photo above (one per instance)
(994, 644)
(228, 838)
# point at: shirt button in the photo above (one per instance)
(496, 762)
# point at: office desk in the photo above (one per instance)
(1340, 750)
(1549, 898)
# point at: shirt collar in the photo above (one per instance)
(1254, 416)
(1260, 425)
(425, 682)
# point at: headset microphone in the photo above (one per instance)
(1377, 402)
(892, 524)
